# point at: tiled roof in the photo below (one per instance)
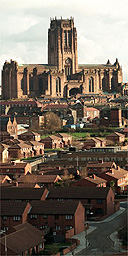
(78, 192)
(4, 176)
(18, 102)
(55, 106)
(37, 178)
(97, 180)
(12, 208)
(99, 165)
(21, 193)
(50, 207)
(12, 166)
(23, 237)
(117, 174)
(116, 134)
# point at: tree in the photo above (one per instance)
(51, 121)
(112, 185)
(83, 172)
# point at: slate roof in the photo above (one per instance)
(12, 208)
(21, 193)
(23, 237)
(50, 207)
(78, 192)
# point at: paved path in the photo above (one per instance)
(99, 239)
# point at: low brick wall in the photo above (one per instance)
(74, 243)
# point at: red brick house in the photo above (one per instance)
(97, 200)
(99, 167)
(116, 137)
(119, 177)
(41, 180)
(53, 142)
(29, 136)
(23, 194)
(21, 150)
(91, 113)
(22, 240)
(3, 152)
(37, 147)
(59, 216)
(4, 179)
(13, 169)
(13, 213)
(67, 139)
(94, 142)
(92, 181)
(125, 131)
(5, 135)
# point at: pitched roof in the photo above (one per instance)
(99, 165)
(117, 174)
(12, 208)
(12, 166)
(64, 135)
(97, 180)
(50, 207)
(2, 177)
(116, 134)
(21, 193)
(37, 178)
(78, 192)
(55, 106)
(23, 237)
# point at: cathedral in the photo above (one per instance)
(62, 76)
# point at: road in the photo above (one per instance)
(100, 243)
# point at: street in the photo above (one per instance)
(99, 239)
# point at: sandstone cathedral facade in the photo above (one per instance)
(62, 76)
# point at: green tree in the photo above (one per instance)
(52, 122)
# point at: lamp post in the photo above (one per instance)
(2, 232)
(86, 241)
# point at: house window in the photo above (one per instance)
(68, 227)
(56, 217)
(99, 211)
(4, 217)
(5, 228)
(68, 217)
(40, 246)
(45, 216)
(33, 216)
(17, 218)
(43, 227)
(99, 201)
(58, 227)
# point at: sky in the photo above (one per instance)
(102, 30)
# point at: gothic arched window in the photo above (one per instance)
(58, 85)
(91, 84)
(68, 67)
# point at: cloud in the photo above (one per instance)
(101, 27)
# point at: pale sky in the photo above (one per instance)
(102, 29)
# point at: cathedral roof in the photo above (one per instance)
(89, 66)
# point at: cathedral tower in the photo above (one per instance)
(62, 45)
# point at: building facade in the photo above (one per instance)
(62, 76)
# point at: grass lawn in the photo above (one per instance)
(53, 248)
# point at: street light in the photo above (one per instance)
(86, 241)
(3, 232)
